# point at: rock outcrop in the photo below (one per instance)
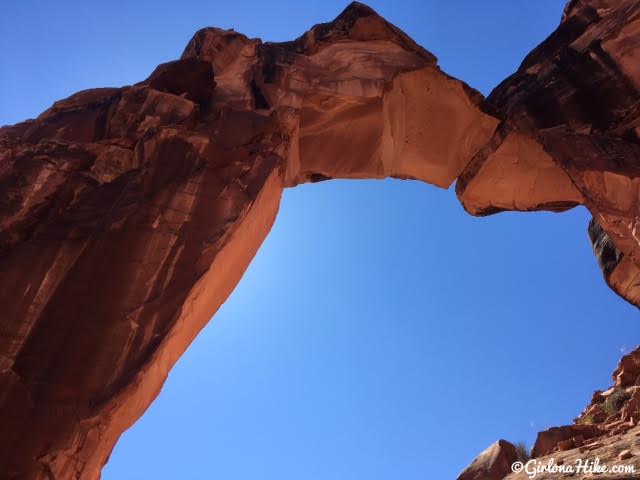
(611, 412)
(607, 458)
(129, 214)
(617, 409)
(607, 432)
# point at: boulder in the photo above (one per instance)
(494, 463)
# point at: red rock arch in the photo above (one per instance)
(130, 214)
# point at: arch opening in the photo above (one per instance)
(347, 354)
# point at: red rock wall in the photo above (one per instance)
(130, 214)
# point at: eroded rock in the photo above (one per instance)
(130, 213)
(563, 438)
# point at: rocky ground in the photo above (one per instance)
(620, 450)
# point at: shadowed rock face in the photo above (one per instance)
(129, 214)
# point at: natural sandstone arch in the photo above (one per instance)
(132, 213)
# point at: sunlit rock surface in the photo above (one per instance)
(492, 464)
(129, 214)
(605, 435)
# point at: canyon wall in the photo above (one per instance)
(130, 214)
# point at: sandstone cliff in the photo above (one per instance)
(129, 214)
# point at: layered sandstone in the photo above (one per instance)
(130, 213)
(620, 452)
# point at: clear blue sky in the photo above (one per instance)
(381, 332)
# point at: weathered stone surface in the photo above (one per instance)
(492, 464)
(191, 78)
(129, 214)
(562, 438)
(627, 373)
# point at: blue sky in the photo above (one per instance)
(381, 332)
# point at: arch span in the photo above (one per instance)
(132, 213)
